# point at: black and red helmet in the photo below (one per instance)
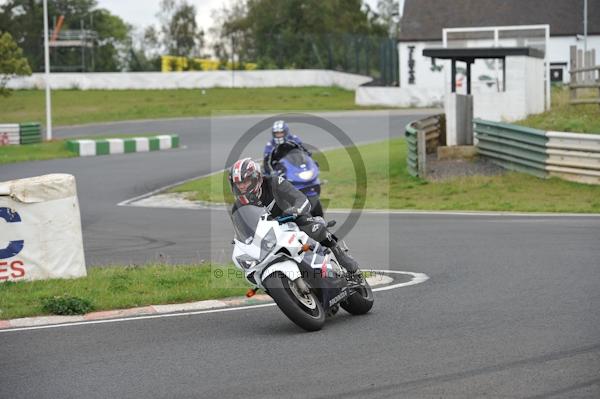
(246, 180)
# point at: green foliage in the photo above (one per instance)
(565, 117)
(390, 186)
(24, 20)
(120, 287)
(113, 34)
(181, 35)
(12, 62)
(299, 34)
(65, 305)
(34, 152)
(90, 106)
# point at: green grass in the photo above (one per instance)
(56, 148)
(124, 287)
(35, 152)
(72, 107)
(390, 186)
(564, 117)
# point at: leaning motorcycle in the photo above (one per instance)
(303, 278)
(292, 162)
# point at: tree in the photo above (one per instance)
(389, 15)
(113, 41)
(144, 51)
(24, 20)
(12, 62)
(180, 33)
(295, 33)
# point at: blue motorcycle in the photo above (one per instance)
(295, 164)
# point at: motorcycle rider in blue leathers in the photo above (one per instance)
(274, 150)
(281, 134)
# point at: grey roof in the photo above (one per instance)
(472, 53)
(423, 20)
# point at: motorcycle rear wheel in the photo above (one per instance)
(304, 310)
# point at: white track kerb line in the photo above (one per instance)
(417, 278)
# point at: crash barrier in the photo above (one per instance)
(192, 80)
(571, 156)
(91, 147)
(24, 133)
(423, 137)
(9, 134)
(40, 229)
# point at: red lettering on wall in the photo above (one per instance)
(3, 269)
(18, 272)
(14, 270)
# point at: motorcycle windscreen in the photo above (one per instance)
(245, 219)
(296, 157)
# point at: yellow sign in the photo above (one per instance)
(171, 63)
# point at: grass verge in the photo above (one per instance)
(53, 149)
(390, 186)
(35, 152)
(564, 117)
(123, 287)
(72, 107)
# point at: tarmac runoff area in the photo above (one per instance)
(382, 280)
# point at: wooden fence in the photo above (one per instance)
(585, 74)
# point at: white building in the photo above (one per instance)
(423, 21)
(425, 82)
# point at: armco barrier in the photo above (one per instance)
(30, 133)
(513, 147)
(85, 148)
(423, 136)
(9, 134)
(574, 156)
(571, 156)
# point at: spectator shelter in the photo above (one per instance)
(520, 89)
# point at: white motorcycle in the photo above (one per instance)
(303, 278)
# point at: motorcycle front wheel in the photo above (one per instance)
(361, 301)
(303, 309)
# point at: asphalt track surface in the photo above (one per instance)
(510, 309)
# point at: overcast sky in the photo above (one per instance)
(142, 13)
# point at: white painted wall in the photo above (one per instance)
(524, 93)
(426, 76)
(193, 80)
(558, 50)
(406, 97)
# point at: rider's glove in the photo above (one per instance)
(291, 212)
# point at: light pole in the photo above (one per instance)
(585, 10)
(47, 75)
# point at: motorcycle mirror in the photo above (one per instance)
(331, 223)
